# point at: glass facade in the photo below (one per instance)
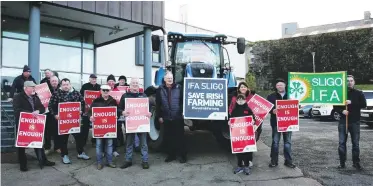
(68, 51)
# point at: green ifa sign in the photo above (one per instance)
(318, 88)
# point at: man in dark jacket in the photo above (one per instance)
(17, 86)
(93, 86)
(67, 94)
(105, 100)
(51, 129)
(48, 74)
(134, 93)
(169, 102)
(27, 101)
(356, 101)
(280, 94)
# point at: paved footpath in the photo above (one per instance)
(207, 165)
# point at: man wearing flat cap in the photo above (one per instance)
(17, 86)
(27, 101)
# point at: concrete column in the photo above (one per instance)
(147, 58)
(95, 59)
(34, 41)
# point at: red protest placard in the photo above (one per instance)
(287, 115)
(123, 88)
(137, 121)
(89, 96)
(260, 108)
(69, 122)
(117, 95)
(30, 132)
(105, 122)
(43, 93)
(242, 134)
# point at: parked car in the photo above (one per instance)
(325, 111)
(367, 113)
(305, 111)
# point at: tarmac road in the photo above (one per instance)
(315, 152)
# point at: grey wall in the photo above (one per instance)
(146, 12)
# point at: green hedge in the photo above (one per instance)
(350, 51)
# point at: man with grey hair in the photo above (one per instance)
(27, 101)
(169, 100)
(134, 93)
(48, 74)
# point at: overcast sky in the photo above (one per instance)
(262, 19)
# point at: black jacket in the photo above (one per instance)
(117, 84)
(272, 98)
(17, 86)
(358, 102)
(89, 86)
(46, 80)
(21, 104)
(241, 111)
(61, 97)
(101, 102)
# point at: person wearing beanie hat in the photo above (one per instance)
(122, 81)
(111, 82)
(279, 94)
(17, 86)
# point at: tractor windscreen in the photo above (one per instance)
(198, 51)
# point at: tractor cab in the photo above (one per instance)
(196, 55)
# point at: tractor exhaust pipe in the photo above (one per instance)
(165, 48)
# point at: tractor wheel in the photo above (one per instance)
(156, 134)
(222, 135)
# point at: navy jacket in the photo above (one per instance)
(272, 98)
(169, 102)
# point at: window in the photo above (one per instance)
(75, 79)
(60, 58)
(286, 30)
(15, 53)
(139, 45)
(88, 61)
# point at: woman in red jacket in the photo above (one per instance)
(242, 88)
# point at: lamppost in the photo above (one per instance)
(313, 61)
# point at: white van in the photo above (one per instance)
(367, 113)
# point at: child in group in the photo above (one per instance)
(241, 109)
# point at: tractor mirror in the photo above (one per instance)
(156, 42)
(241, 45)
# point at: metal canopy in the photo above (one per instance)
(110, 22)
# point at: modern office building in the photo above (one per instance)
(66, 36)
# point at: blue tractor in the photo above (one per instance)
(193, 55)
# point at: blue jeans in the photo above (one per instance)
(354, 129)
(109, 150)
(137, 141)
(143, 144)
(276, 136)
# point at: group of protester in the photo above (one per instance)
(168, 113)
(26, 100)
